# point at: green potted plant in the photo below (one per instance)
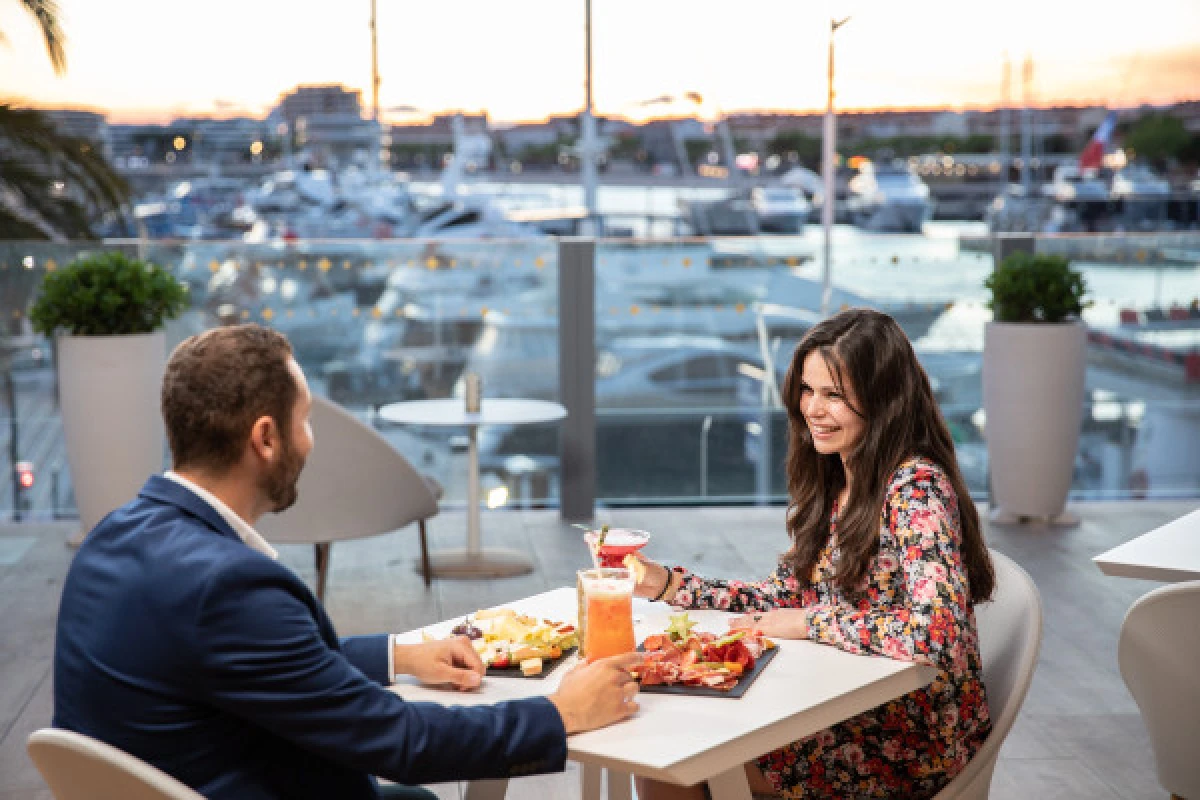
(1034, 359)
(105, 312)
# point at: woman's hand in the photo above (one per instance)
(653, 581)
(782, 623)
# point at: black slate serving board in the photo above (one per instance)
(703, 691)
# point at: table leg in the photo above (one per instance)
(486, 790)
(730, 785)
(589, 782)
(476, 561)
(620, 785)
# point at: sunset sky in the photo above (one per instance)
(146, 60)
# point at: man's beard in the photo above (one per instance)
(280, 484)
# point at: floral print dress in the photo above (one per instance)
(913, 606)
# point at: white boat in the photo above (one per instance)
(1140, 197)
(780, 209)
(1072, 186)
(888, 199)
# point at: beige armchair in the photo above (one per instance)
(355, 484)
(1159, 655)
(1010, 637)
(78, 767)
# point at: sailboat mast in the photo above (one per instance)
(1027, 127)
(377, 133)
(1004, 144)
(588, 132)
(828, 153)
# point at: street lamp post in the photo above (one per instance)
(829, 149)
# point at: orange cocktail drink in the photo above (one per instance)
(608, 612)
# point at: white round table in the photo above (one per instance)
(474, 561)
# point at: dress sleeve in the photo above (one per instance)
(925, 617)
(780, 590)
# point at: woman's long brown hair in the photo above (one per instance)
(869, 351)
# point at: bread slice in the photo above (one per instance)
(635, 565)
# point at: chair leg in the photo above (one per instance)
(426, 570)
(323, 552)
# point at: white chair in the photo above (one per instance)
(1159, 656)
(1010, 636)
(78, 767)
(355, 484)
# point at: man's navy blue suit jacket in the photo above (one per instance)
(179, 644)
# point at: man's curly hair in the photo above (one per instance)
(216, 385)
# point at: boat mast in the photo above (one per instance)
(1027, 127)
(1003, 145)
(588, 125)
(376, 154)
(828, 149)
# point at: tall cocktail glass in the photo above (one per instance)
(606, 620)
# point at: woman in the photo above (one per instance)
(887, 558)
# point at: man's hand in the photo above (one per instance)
(782, 623)
(446, 661)
(598, 694)
(654, 580)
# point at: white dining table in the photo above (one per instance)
(686, 740)
(1169, 553)
(474, 560)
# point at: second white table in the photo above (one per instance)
(474, 561)
(1169, 553)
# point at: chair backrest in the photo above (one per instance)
(355, 484)
(1010, 637)
(78, 767)
(1159, 655)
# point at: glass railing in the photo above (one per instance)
(693, 337)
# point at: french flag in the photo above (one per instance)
(1092, 156)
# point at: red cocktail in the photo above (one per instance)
(614, 546)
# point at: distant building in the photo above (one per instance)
(223, 141)
(304, 101)
(88, 125)
(327, 123)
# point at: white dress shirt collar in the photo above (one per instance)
(243, 529)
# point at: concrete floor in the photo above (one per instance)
(1079, 734)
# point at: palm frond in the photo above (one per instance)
(55, 180)
(46, 13)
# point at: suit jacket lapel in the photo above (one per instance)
(168, 491)
(165, 490)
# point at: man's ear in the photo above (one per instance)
(264, 438)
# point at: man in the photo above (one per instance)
(183, 641)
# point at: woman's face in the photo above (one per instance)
(834, 425)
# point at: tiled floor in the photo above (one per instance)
(1078, 736)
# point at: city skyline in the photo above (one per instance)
(127, 59)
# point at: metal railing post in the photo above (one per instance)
(1005, 244)
(577, 375)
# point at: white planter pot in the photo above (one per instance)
(109, 394)
(1033, 382)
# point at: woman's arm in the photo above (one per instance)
(693, 591)
(928, 618)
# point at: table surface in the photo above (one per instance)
(493, 411)
(1169, 553)
(684, 740)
